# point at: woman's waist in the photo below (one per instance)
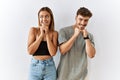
(42, 57)
(42, 61)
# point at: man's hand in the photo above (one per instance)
(84, 32)
(76, 31)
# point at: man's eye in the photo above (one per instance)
(86, 20)
(80, 19)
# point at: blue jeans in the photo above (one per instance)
(42, 69)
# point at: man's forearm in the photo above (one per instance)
(66, 46)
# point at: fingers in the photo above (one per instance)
(85, 33)
(44, 29)
(76, 31)
(81, 29)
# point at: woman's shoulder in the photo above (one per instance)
(55, 32)
(34, 29)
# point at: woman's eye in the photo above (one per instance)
(47, 16)
(41, 16)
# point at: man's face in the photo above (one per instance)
(82, 21)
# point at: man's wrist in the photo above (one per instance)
(86, 37)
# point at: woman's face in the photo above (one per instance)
(45, 18)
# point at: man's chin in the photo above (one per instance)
(82, 28)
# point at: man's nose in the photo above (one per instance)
(82, 22)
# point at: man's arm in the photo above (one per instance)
(66, 46)
(90, 50)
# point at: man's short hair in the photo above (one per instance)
(84, 12)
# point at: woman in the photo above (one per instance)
(42, 44)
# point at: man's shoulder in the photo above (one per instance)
(66, 28)
(90, 34)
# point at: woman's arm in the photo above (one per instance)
(52, 44)
(33, 41)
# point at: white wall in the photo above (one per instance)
(17, 16)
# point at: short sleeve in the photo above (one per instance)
(62, 36)
(92, 39)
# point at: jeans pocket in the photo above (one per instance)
(51, 63)
(34, 62)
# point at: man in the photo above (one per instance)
(75, 44)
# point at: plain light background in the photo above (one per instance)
(17, 16)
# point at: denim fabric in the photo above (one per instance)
(42, 69)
